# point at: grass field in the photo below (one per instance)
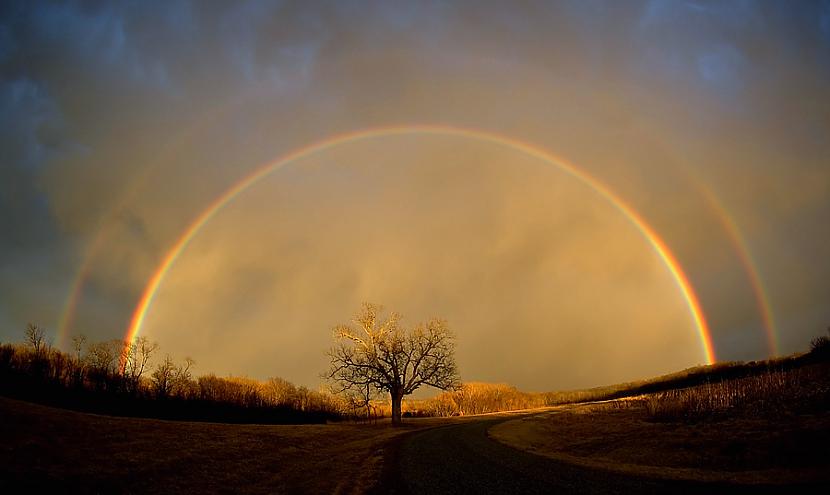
(772, 426)
(45, 448)
(769, 428)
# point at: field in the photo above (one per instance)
(769, 428)
(44, 448)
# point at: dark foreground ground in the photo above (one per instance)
(46, 449)
(462, 458)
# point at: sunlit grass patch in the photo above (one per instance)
(775, 391)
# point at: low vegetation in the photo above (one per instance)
(114, 378)
(773, 392)
(477, 398)
(798, 384)
(761, 422)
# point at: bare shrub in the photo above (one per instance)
(820, 347)
(772, 391)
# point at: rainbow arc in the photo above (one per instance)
(654, 240)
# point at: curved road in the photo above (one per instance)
(461, 458)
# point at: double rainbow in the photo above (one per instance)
(241, 186)
(749, 265)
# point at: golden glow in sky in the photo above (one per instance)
(139, 190)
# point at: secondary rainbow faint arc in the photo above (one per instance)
(656, 242)
(749, 265)
(210, 115)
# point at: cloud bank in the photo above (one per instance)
(121, 122)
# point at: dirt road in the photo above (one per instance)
(461, 458)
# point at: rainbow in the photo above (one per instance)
(749, 266)
(230, 194)
(210, 115)
(71, 303)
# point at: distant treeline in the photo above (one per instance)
(478, 398)
(699, 375)
(114, 378)
(475, 398)
(772, 393)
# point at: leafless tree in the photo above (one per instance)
(78, 343)
(169, 379)
(163, 377)
(103, 361)
(380, 354)
(182, 377)
(359, 400)
(36, 338)
(104, 355)
(280, 392)
(135, 356)
(77, 363)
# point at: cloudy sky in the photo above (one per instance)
(122, 122)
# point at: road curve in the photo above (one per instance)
(461, 458)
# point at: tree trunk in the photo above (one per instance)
(397, 397)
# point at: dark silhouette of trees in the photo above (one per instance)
(36, 338)
(77, 363)
(378, 353)
(103, 365)
(163, 377)
(820, 347)
(170, 379)
(135, 356)
(111, 378)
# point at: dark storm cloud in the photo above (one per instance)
(131, 117)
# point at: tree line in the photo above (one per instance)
(373, 356)
(477, 398)
(116, 377)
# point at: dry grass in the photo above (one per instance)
(698, 375)
(774, 392)
(771, 428)
(625, 440)
(44, 448)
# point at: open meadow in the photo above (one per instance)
(46, 448)
(773, 427)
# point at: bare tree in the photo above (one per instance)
(280, 392)
(379, 354)
(78, 343)
(182, 378)
(169, 379)
(103, 360)
(360, 399)
(163, 377)
(36, 338)
(104, 355)
(135, 357)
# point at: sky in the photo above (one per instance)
(122, 123)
